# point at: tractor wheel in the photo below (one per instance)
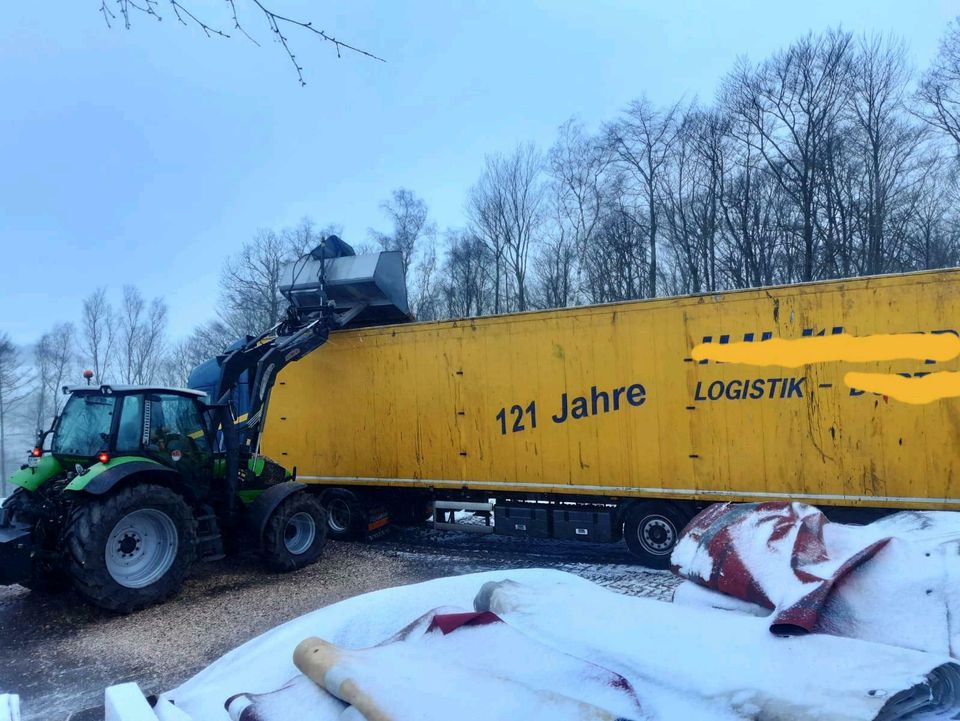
(131, 549)
(296, 533)
(651, 530)
(346, 514)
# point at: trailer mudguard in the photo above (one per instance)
(101, 477)
(258, 512)
(30, 479)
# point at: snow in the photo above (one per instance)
(9, 707)
(689, 593)
(692, 558)
(125, 702)
(567, 649)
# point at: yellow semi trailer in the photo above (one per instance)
(585, 422)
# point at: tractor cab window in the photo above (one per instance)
(130, 430)
(84, 426)
(176, 425)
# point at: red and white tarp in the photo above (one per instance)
(893, 581)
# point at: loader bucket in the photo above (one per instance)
(373, 281)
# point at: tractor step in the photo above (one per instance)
(209, 540)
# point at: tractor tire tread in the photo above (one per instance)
(84, 553)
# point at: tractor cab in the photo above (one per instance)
(166, 425)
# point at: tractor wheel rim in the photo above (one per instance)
(338, 515)
(299, 533)
(141, 548)
(657, 535)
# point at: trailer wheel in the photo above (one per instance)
(651, 531)
(131, 549)
(296, 533)
(346, 514)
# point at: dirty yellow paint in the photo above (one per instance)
(841, 347)
(917, 390)
(447, 405)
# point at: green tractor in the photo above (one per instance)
(133, 484)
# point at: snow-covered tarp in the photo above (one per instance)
(893, 581)
(540, 644)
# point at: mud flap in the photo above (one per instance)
(378, 522)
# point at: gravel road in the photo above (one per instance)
(59, 653)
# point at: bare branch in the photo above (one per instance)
(276, 22)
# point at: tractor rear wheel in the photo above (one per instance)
(296, 533)
(131, 549)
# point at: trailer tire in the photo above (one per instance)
(295, 534)
(131, 548)
(346, 514)
(651, 530)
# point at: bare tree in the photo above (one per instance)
(751, 245)
(303, 237)
(939, 90)
(14, 390)
(98, 333)
(467, 283)
(691, 188)
(408, 215)
(578, 167)
(142, 329)
(641, 142)
(207, 340)
(888, 144)
(790, 104)
(183, 11)
(617, 262)
(933, 235)
(55, 357)
(486, 208)
(425, 296)
(506, 208)
(554, 268)
(250, 300)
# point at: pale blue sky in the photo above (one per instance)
(146, 155)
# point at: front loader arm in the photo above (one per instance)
(327, 289)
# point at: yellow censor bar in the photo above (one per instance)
(832, 348)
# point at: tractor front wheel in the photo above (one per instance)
(296, 533)
(131, 549)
